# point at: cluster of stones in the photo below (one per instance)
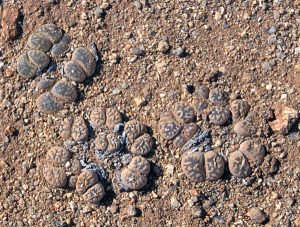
(47, 38)
(177, 126)
(60, 169)
(138, 143)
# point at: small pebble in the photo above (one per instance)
(175, 204)
(163, 47)
(132, 211)
(116, 91)
(257, 215)
(179, 52)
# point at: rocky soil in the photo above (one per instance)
(153, 54)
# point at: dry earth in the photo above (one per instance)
(248, 48)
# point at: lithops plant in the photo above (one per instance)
(61, 47)
(177, 126)
(192, 165)
(245, 128)
(239, 109)
(89, 186)
(239, 165)
(134, 176)
(183, 112)
(219, 115)
(218, 97)
(60, 169)
(198, 166)
(185, 135)
(79, 130)
(200, 101)
(142, 145)
(105, 117)
(139, 142)
(31, 62)
(81, 65)
(48, 104)
(75, 128)
(108, 143)
(133, 129)
(50, 32)
(254, 151)
(62, 93)
(250, 155)
(168, 127)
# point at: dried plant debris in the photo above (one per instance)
(132, 177)
(47, 37)
(60, 169)
(61, 94)
(286, 117)
(89, 186)
(198, 166)
(81, 66)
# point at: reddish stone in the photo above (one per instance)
(285, 119)
(9, 20)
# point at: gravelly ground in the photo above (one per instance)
(247, 48)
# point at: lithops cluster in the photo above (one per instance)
(198, 166)
(132, 177)
(47, 38)
(60, 169)
(250, 155)
(139, 142)
(81, 65)
(212, 104)
(55, 99)
(75, 128)
(177, 125)
(108, 141)
(89, 186)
